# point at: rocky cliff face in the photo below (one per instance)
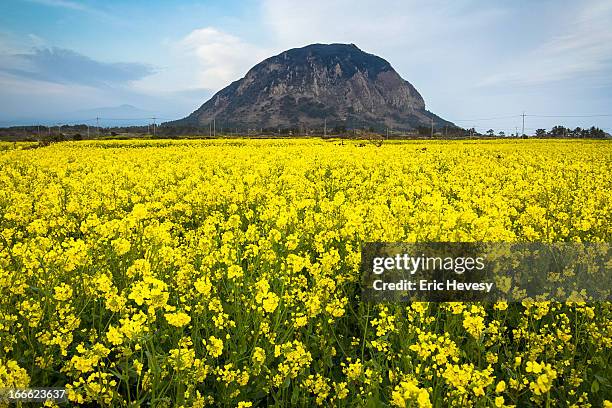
(336, 84)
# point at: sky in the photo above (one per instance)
(477, 63)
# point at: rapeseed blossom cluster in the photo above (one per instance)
(227, 272)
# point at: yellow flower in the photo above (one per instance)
(114, 336)
(408, 392)
(63, 292)
(138, 366)
(500, 387)
(178, 319)
(533, 367)
(259, 355)
(203, 286)
(235, 271)
(121, 246)
(354, 370)
(270, 302)
(13, 376)
(543, 382)
(214, 346)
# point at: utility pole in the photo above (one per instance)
(98, 126)
(516, 131)
(87, 131)
(523, 115)
(432, 127)
(325, 128)
(214, 128)
(154, 126)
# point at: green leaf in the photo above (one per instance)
(595, 387)
(602, 380)
(295, 395)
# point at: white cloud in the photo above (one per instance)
(580, 48)
(36, 40)
(77, 6)
(575, 43)
(67, 66)
(220, 57)
(204, 59)
(375, 24)
(43, 99)
(11, 43)
(72, 5)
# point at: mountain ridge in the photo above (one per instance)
(314, 86)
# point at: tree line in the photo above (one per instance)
(82, 131)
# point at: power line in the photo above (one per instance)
(524, 115)
(98, 118)
(570, 116)
(149, 118)
(505, 126)
(482, 119)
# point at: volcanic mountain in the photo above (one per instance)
(317, 85)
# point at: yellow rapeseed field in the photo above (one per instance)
(226, 272)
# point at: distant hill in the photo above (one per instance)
(109, 116)
(113, 115)
(336, 84)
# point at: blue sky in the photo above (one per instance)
(471, 60)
